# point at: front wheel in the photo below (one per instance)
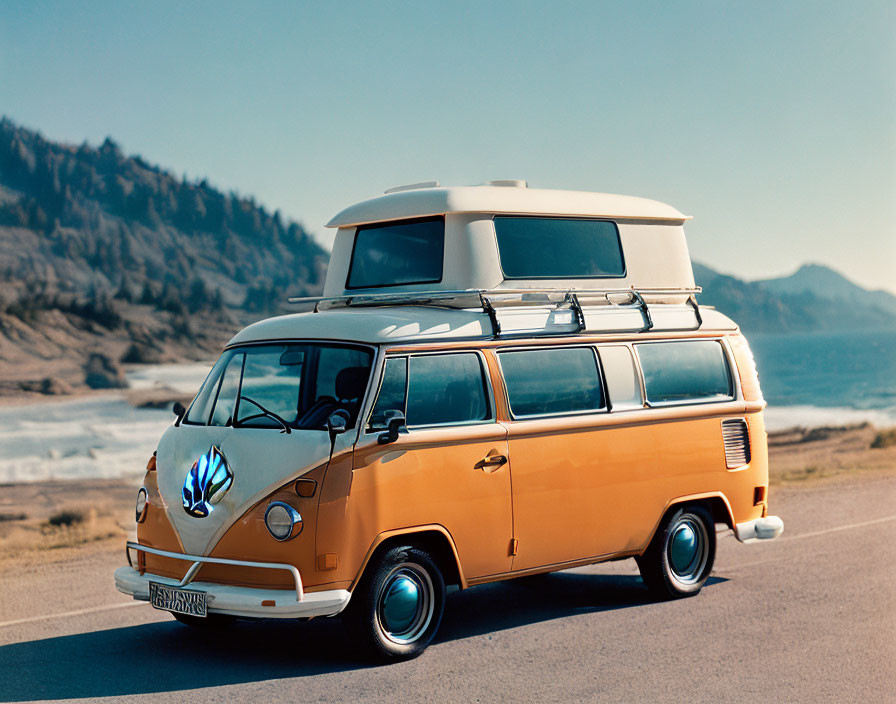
(679, 559)
(397, 607)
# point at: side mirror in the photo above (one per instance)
(394, 421)
(180, 411)
(337, 423)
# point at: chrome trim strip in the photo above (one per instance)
(198, 561)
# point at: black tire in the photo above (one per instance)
(403, 585)
(211, 622)
(672, 567)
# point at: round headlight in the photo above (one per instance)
(282, 520)
(141, 504)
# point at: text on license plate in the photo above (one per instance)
(183, 601)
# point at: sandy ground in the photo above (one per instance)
(55, 346)
(827, 454)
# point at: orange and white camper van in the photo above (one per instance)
(498, 381)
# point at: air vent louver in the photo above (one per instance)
(736, 437)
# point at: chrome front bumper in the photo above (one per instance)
(228, 599)
(767, 528)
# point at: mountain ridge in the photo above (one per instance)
(103, 254)
(813, 298)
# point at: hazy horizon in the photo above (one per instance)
(775, 127)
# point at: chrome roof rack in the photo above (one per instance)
(577, 301)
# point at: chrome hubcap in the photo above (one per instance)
(687, 549)
(405, 603)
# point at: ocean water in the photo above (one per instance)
(808, 380)
(827, 378)
(100, 438)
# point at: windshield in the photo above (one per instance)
(295, 385)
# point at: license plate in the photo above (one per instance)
(183, 601)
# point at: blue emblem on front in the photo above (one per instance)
(207, 481)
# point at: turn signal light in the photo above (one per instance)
(306, 488)
(142, 501)
(327, 561)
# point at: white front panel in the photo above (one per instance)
(261, 459)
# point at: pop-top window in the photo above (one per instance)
(687, 371)
(296, 386)
(558, 248)
(398, 253)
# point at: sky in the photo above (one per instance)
(772, 123)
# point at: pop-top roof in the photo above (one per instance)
(422, 323)
(508, 197)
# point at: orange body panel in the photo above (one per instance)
(156, 531)
(599, 489)
(430, 477)
(576, 489)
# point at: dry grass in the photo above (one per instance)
(885, 438)
(44, 517)
(66, 518)
(9, 517)
(28, 536)
(799, 455)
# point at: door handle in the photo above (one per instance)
(491, 463)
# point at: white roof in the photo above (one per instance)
(424, 201)
(390, 324)
(375, 325)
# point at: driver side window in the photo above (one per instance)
(434, 389)
(269, 386)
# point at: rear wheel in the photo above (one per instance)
(397, 607)
(679, 559)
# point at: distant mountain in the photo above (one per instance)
(99, 249)
(813, 298)
(827, 284)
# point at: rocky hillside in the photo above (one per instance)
(99, 250)
(106, 259)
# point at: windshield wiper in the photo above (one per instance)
(264, 412)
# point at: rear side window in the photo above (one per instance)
(558, 248)
(552, 381)
(437, 389)
(694, 370)
(398, 253)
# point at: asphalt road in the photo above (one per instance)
(810, 617)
